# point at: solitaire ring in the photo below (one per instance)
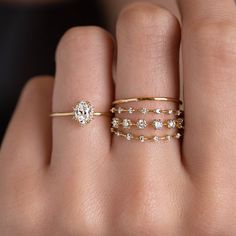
(83, 112)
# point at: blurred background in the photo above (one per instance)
(30, 31)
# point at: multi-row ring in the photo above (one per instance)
(83, 112)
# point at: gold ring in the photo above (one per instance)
(145, 110)
(139, 99)
(83, 112)
(142, 138)
(157, 124)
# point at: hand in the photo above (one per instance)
(57, 178)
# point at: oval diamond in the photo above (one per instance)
(83, 112)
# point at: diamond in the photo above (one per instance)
(141, 124)
(178, 113)
(180, 123)
(119, 110)
(168, 137)
(170, 112)
(141, 138)
(83, 112)
(126, 123)
(144, 110)
(113, 110)
(156, 138)
(130, 110)
(158, 111)
(178, 135)
(171, 124)
(115, 122)
(129, 136)
(157, 124)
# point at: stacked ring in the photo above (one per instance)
(141, 124)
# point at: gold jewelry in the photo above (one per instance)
(139, 99)
(83, 112)
(143, 138)
(144, 110)
(157, 124)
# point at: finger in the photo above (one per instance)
(209, 56)
(27, 142)
(193, 12)
(84, 59)
(147, 66)
(148, 44)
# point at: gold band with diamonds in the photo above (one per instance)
(139, 99)
(131, 110)
(141, 124)
(143, 138)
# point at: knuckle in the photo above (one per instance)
(77, 221)
(25, 216)
(146, 19)
(206, 216)
(79, 40)
(215, 38)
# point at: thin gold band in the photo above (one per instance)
(139, 99)
(60, 114)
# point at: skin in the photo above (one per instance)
(57, 178)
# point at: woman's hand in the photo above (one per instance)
(57, 178)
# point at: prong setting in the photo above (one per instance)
(83, 112)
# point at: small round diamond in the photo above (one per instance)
(171, 124)
(144, 110)
(141, 124)
(115, 123)
(158, 111)
(129, 136)
(126, 123)
(119, 110)
(178, 135)
(141, 138)
(113, 110)
(156, 139)
(168, 137)
(178, 113)
(170, 112)
(180, 123)
(130, 110)
(83, 112)
(157, 124)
